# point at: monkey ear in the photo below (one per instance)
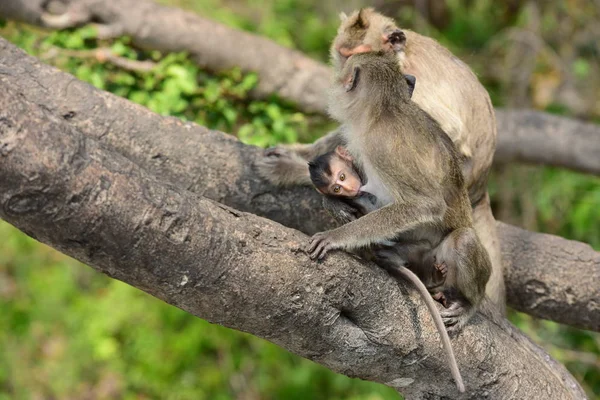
(361, 21)
(397, 39)
(352, 80)
(343, 16)
(411, 80)
(343, 153)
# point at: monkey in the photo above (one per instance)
(413, 169)
(448, 90)
(334, 174)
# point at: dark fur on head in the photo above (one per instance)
(320, 170)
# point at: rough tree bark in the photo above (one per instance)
(541, 291)
(288, 73)
(221, 168)
(243, 271)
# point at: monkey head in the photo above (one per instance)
(369, 86)
(333, 174)
(365, 30)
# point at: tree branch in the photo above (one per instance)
(152, 26)
(243, 271)
(102, 55)
(221, 168)
(527, 136)
(552, 278)
(540, 138)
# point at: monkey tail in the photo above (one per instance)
(439, 324)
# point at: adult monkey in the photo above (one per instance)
(447, 89)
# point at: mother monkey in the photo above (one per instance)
(446, 88)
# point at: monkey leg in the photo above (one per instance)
(286, 165)
(485, 225)
(468, 270)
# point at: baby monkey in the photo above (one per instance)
(335, 175)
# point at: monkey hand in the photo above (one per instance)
(341, 211)
(321, 243)
(283, 167)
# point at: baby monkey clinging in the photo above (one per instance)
(413, 169)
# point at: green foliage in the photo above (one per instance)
(175, 86)
(471, 27)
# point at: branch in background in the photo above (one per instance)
(288, 73)
(102, 55)
(541, 264)
(540, 138)
(213, 46)
(243, 271)
(221, 168)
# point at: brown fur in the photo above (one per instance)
(448, 90)
(413, 167)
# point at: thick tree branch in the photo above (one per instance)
(542, 264)
(243, 271)
(221, 168)
(526, 136)
(540, 138)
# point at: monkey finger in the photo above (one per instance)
(452, 324)
(449, 322)
(314, 254)
(324, 250)
(316, 248)
(315, 240)
(318, 253)
(452, 311)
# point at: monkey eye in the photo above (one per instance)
(336, 189)
(342, 176)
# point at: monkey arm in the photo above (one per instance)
(286, 165)
(386, 223)
(323, 145)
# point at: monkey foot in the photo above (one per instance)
(456, 315)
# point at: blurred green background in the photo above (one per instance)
(68, 332)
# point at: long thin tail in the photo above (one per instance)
(439, 324)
